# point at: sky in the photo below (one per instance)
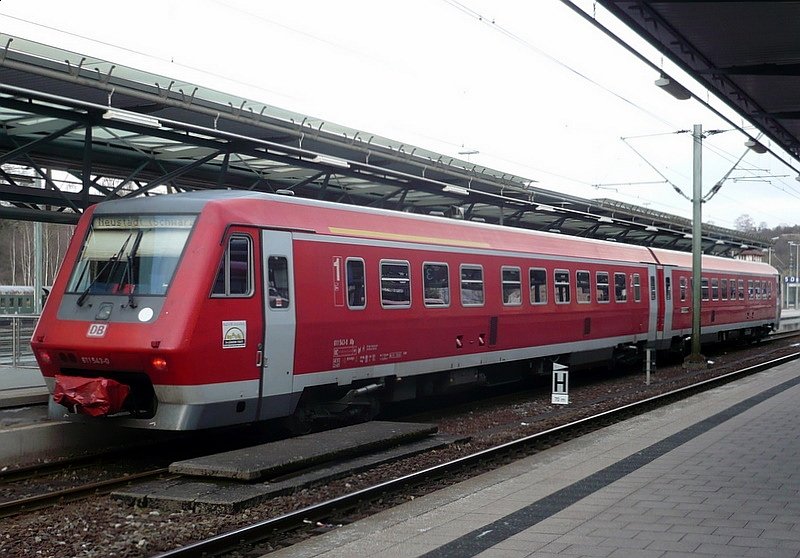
(532, 87)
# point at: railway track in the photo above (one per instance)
(341, 509)
(40, 501)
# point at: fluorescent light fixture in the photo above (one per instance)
(673, 87)
(755, 146)
(651, 228)
(328, 160)
(460, 190)
(687, 235)
(437, 213)
(554, 230)
(284, 192)
(605, 220)
(132, 118)
(745, 247)
(546, 208)
(720, 242)
(478, 219)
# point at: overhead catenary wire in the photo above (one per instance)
(492, 24)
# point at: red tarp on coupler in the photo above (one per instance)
(96, 397)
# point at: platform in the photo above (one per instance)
(713, 475)
(322, 456)
(21, 386)
(303, 451)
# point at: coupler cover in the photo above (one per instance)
(96, 397)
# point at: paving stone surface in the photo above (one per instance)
(715, 475)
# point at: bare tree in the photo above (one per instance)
(745, 223)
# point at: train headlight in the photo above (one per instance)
(159, 363)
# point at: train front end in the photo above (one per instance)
(110, 334)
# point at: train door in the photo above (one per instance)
(652, 294)
(277, 363)
(668, 302)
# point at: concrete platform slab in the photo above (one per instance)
(21, 386)
(229, 496)
(280, 457)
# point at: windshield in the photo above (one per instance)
(131, 254)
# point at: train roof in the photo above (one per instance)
(712, 263)
(323, 217)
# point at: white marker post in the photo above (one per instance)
(560, 385)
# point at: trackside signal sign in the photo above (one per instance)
(560, 385)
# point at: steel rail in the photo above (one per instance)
(23, 505)
(231, 540)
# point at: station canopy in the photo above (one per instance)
(121, 132)
(747, 53)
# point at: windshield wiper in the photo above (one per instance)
(129, 269)
(114, 260)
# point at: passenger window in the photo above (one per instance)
(667, 289)
(732, 289)
(704, 288)
(395, 285)
(562, 286)
(235, 276)
(602, 287)
(652, 287)
(741, 289)
(637, 288)
(714, 289)
(584, 287)
(538, 279)
(620, 287)
(356, 289)
(471, 285)
(512, 286)
(724, 289)
(750, 289)
(436, 282)
(278, 273)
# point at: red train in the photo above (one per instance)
(215, 308)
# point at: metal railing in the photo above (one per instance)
(15, 337)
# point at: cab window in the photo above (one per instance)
(235, 272)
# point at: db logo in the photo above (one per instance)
(97, 330)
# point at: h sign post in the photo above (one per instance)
(560, 385)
